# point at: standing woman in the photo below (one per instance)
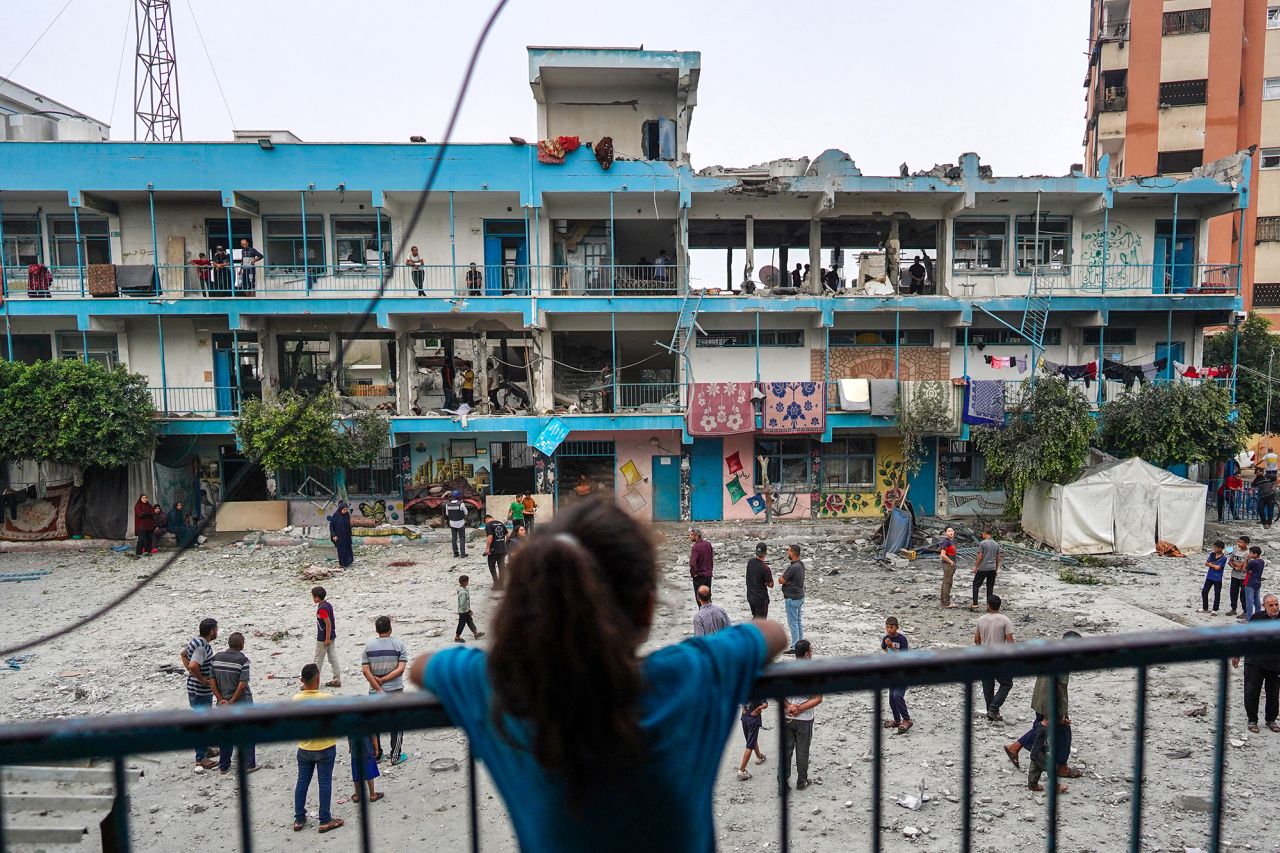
(340, 533)
(595, 743)
(144, 524)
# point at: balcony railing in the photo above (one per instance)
(1117, 279)
(115, 737)
(650, 397)
(176, 401)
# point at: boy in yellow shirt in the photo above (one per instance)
(316, 754)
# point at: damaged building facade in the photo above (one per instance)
(591, 314)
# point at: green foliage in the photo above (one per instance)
(74, 413)
(1046, 437)
(1256, 343)
(1067, 574)
(928, 413)
(1170, 423)
(293, 431)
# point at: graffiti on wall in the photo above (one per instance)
(975, 504)
(889, 490)
(1123, 250)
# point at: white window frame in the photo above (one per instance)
(1273, 17)
(1271, 88)
(1269, 158)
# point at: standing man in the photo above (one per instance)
(315, 757)
(326, 632)
(1271, 462)
(917, 273)
(663, 264)
(1040, 704)
(515, 513)
(947, 555)
(249, 258)
(1266, 500)
(197, 660)
(759, 582)
(701, 561)
(231, 687)
(383, 662)
(469, 386)
(495, 548)
(455, 512)
(994, 629)
(792, 581)
(1262, 670)
(530, 510)
(475, 280)
(986, 566)
(798, 731)
(710, 617)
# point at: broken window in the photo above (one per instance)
(21, 241)
(1116, 336)
(1004, 337)
(1114, 93)
(658, 139)
(1184, 93)
(849, 463)
(356, 242)
(287, 253)
(966, 468)
(1186, 22)
(786, 463)
(1268, 229)
(1173, 162)
(1270, 158)
(368, 365)
(95, 240)
(980, 244)
(881, 337)
(305, 363)
(103, 347)
(747, 338)
(1273, 17)
(1046, 249)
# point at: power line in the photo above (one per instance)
(124, 46)
(43, 33)
(209, 57)
(363, 318)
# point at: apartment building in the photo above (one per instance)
(1174, 84)
(549, 335)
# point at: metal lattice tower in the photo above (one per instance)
(157, 113)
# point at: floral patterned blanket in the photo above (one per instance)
(720, 408)
(793, 408)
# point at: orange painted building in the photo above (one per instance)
(1174, 84)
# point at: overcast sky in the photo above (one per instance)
(918, 81)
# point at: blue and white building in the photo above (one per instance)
(600, 289)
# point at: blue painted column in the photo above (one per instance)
(1173, 248)
(1106, 224)
(826, 354)
(155, 254)
(75, 215)
(235, 357)
(757, 343)
(964, 356)
(613, 346)
(4, 290)
(306, 267)
(453, 240)
(1102, 339)
(1168, 348)
(1235, 360)
(613, 268)
(377, 217)
(231, 256)
(897, 345)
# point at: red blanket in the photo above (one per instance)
(720, 408)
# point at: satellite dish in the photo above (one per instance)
(770, 276)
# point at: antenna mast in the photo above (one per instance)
(157, 113)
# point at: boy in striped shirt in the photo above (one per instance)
(231, 687)
(383, 662)
(197, 660)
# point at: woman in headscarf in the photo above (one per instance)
(144, 524)
(340, 534)
(182, 532)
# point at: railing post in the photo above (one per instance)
(377, 216)
(877, 758)
(1051, 766)
(119, 810)
(1139, 761)
(361, 744)
(613, 258)
(155, 243)
(75, 215)
(453, 246)
(242, 783)
(164, 378)
(1219, 759)
(472, 800)
(235, 360)
(306, 267)
(966, 785)
(784, 787)
(1106, 224)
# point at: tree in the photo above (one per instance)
(925, 412)
(75, 413)
(294, 431)
(1046, 437)
(1170, 423)
(1256, 343)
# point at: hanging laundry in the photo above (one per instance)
(984, 402)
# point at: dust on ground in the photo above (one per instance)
(127, 661)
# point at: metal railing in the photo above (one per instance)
(649, 397)
(115, 737)
(196, 400)
(1122, 279)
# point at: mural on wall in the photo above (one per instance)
(544, 474)
(912, 363)
(444, 470)
(737, 491)
(890, 486)
(1123, 256)
(993, 502)
(631, 477)
(686, 483)
(315, 513)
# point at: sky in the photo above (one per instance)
(914, 81)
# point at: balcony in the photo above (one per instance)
(1129, 657)
(1191, 279)
(196, 401)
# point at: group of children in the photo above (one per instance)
(1246, 565)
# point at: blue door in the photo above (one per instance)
(706, 490)
(666, 488)
(1175, 351)
(506, 257)
(223, 380)
(1175, 258)
(922, 489)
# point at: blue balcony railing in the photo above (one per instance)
(175, 401)
(115, 737)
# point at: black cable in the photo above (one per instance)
(363, 318)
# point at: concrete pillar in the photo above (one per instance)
(270, 354)
(728, 268)
(813, 285)
(749, 268)
(405, 374)
(893, 254)
(482, 371)
(543, 353)
(335, 363)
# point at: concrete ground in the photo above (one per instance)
(127, 662)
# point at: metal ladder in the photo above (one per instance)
(1035, 314)
(686, 328)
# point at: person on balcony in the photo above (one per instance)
(249, 258)
(204, 272)
(475, 280)
(415, 262)
(598, 746)
(221, 263)
(662, 266)
(918, 274)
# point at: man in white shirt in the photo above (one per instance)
(798, 731)
(994, 629)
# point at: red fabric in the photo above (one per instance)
(1091, 370)
(39, 278)
(720, 408)
(143, 517)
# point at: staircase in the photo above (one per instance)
(686, 324)
(58, 805)
(1035, 315)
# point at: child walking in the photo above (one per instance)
(894, 641)
(464, 611)
(1253, 582)
(364, 766)
(1215, 563)
(751, 723)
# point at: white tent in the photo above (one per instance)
(1119, 507)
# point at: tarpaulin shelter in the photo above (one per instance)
(1119, 507)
